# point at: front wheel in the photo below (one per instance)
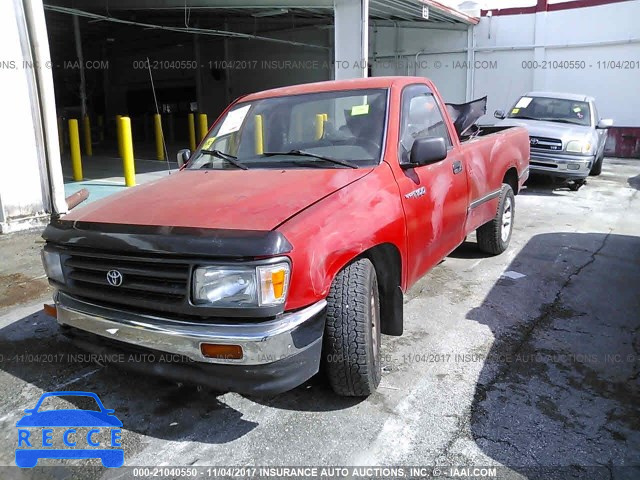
(494, 236)
(352, 333)
(597, 166)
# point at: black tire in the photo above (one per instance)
(576, 184)
(352, 334)
(597, 167)
(490, 235)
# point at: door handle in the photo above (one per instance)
(457, 167)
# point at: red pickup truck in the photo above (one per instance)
(287, 238)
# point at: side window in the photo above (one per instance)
(421, 117)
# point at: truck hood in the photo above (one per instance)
(561, 131)
(221, 199)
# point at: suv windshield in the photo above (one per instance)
(552, 110)
(320, 130)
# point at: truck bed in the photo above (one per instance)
(483, 131)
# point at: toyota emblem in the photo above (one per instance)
(114, 277)
(534, 141)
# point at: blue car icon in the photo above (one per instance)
(69, 418)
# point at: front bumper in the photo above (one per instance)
(561, 165)
(278, 354)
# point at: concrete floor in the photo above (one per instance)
(528, 359)
(104, 175)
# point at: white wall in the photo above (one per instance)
(590, 35)
(501, 44)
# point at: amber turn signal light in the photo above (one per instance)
(225, 352)
(50, 310)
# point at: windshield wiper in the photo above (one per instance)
(225, 156)
(304, 153)
(561, 120)
(523, 117)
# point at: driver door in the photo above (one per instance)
(434, 196)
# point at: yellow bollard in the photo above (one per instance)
(119, 132)
(127, 151)
(86, 130)
(74, 145)
(157, 124)
(325, 116)
(259, 135)
(192, 132)
(203, 126)
(319, 125)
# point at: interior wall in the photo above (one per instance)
(438, 54)
(250, 65)
(260, 65)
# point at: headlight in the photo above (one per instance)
(52, 265)
(238, 286)
(578, 146)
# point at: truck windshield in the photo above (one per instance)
(342, 129)
(552, 110)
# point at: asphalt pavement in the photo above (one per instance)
(528, 359)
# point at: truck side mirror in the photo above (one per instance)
(183, 157)
(425, 151)
(605, 123)
(499, 114)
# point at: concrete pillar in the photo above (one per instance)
(471, 57)
(351, 19)
(31, 184)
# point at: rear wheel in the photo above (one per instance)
(494, 236)
(352, 333)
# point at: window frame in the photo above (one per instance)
(405, 103)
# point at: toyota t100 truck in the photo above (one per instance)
(287, 239)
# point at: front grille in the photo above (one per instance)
(157, 285)
(542, 164)
(544, 143)
(146, 282)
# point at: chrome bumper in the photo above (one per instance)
(561, 165)
(262, 343)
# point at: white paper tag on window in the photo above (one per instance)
(233, 121)
(523, 102)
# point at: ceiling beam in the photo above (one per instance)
(110, 5)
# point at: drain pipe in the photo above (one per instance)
(415, 62)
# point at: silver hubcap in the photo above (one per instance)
(374, 325)
(507, 213)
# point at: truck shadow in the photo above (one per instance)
(634, 182)
(35, 351)
(560, 385)
(542, 186)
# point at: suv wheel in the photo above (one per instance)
(597, 166)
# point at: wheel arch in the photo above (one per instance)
(387, 261)
(511, 179)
